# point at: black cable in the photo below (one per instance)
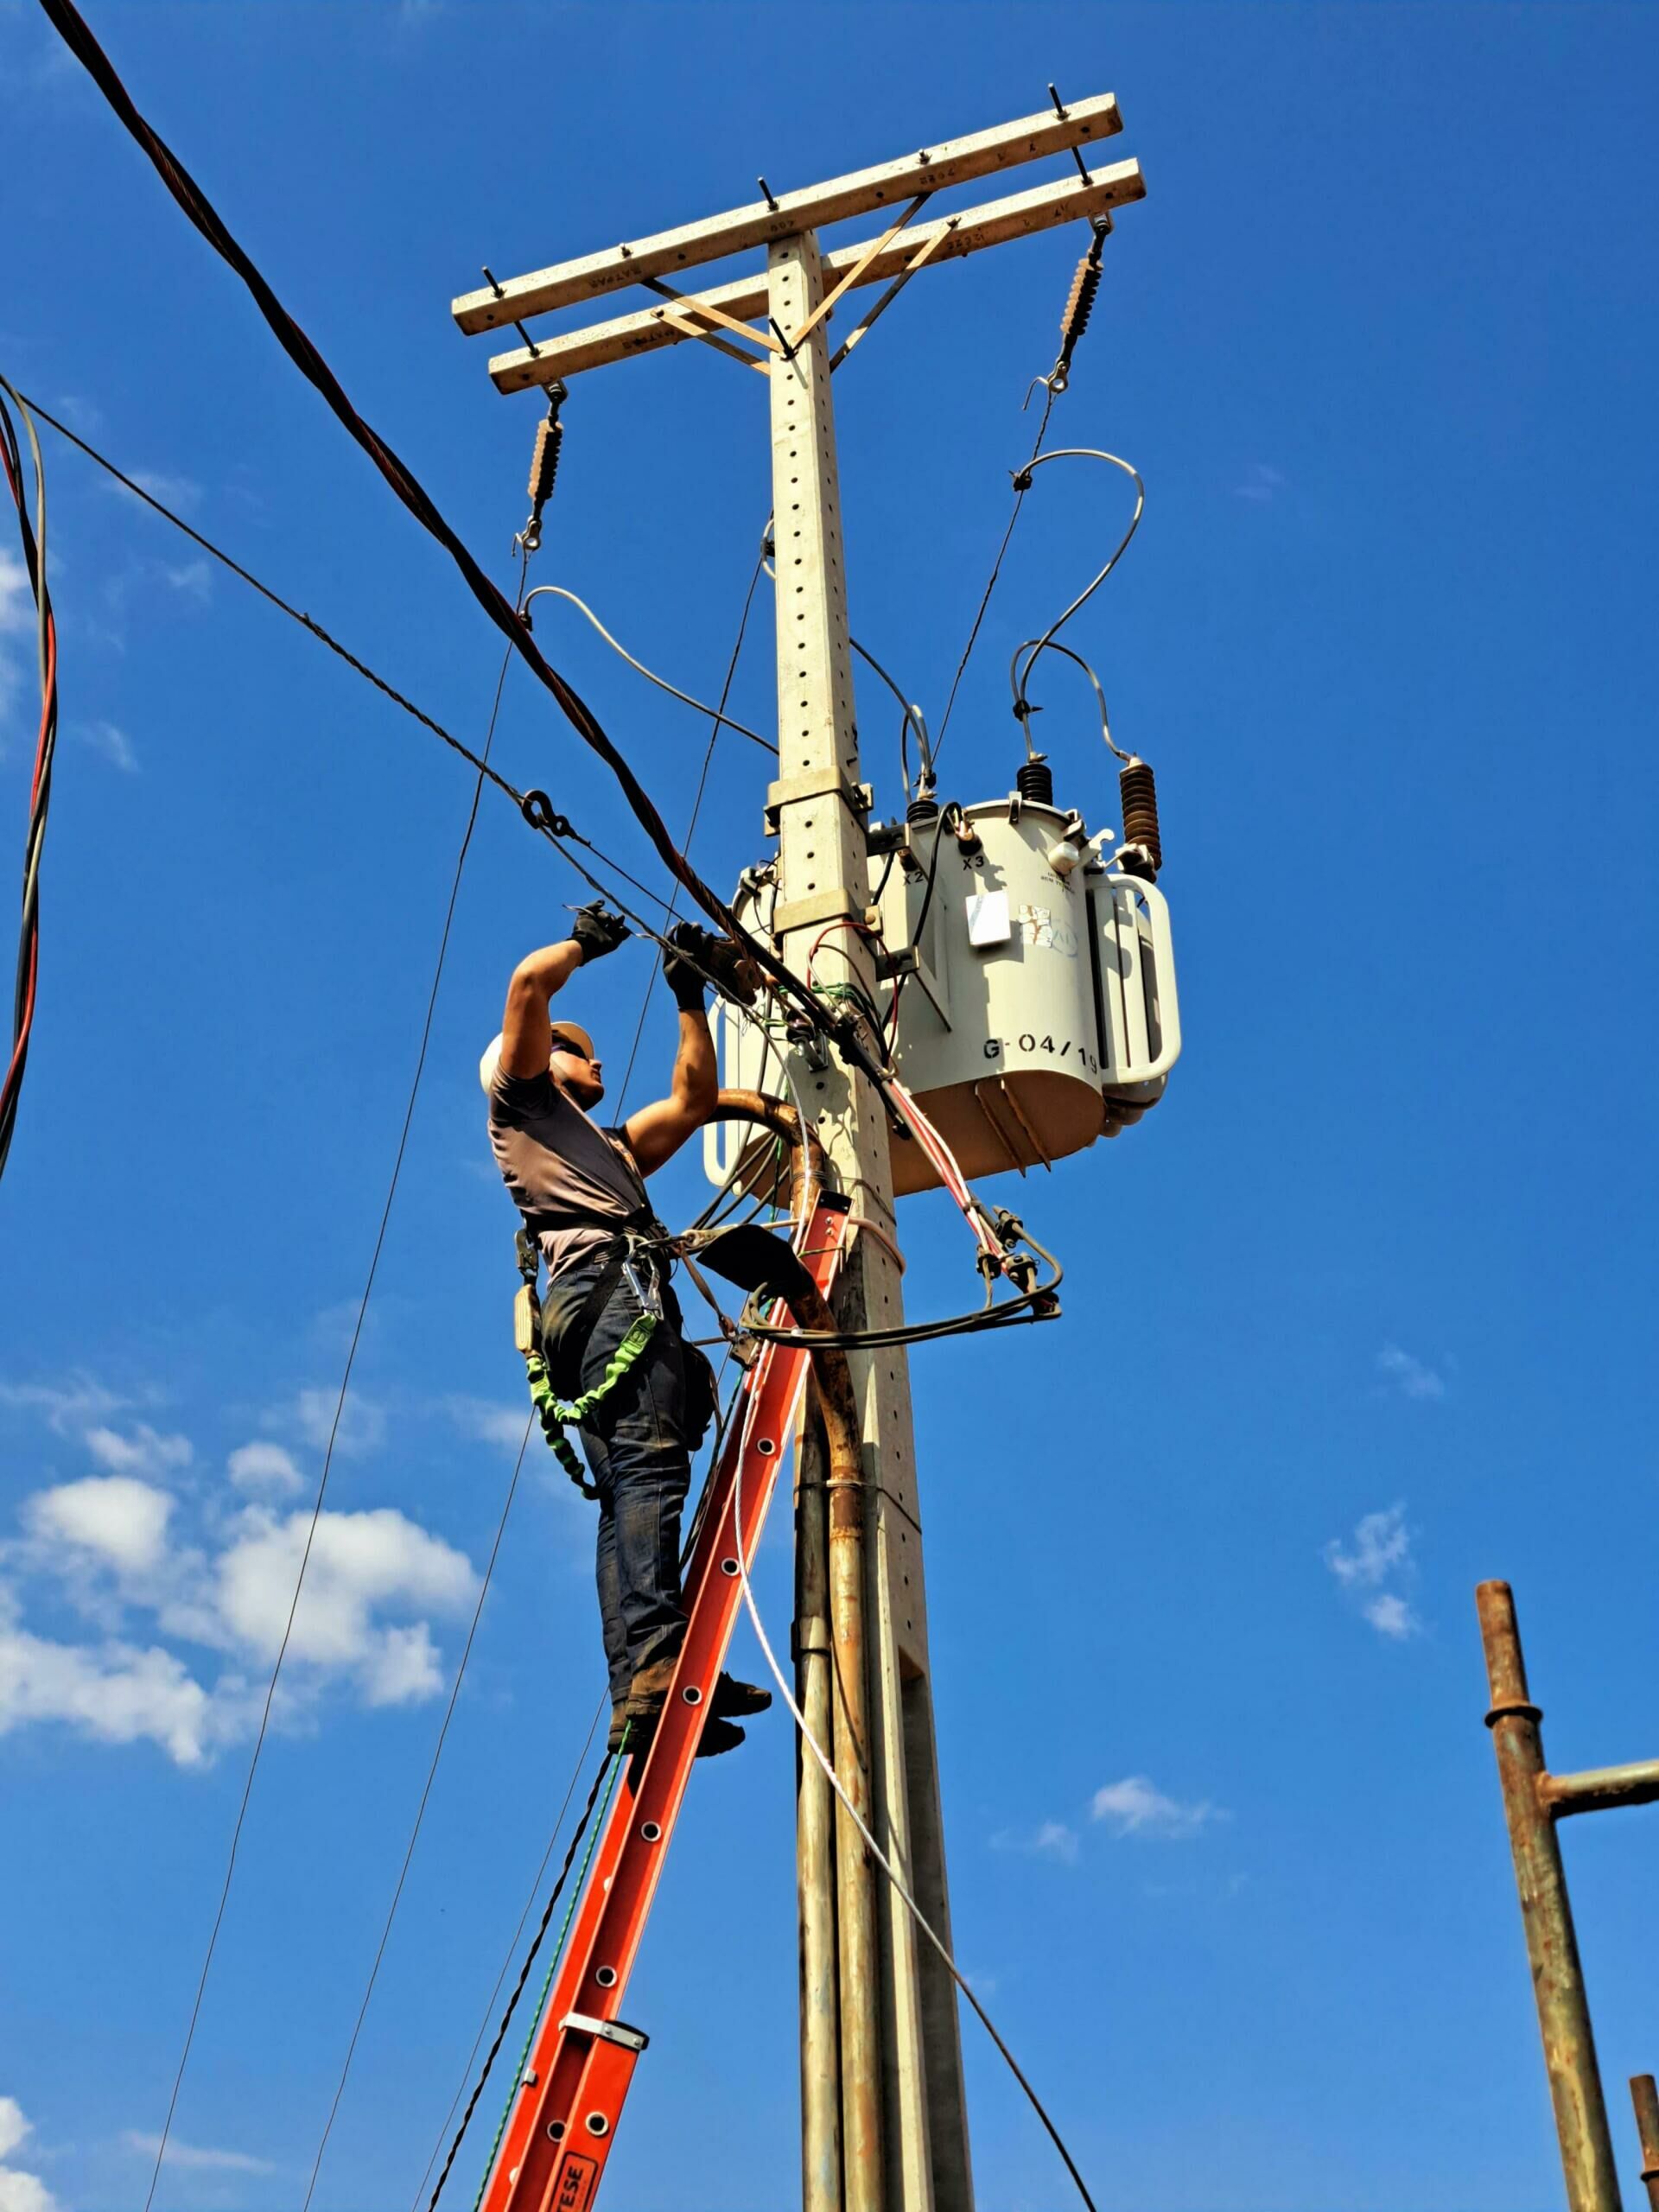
(419, 1815)
(282, 606)
(200, 209)
(696, 807)
(33, 538)
(529, 1907)
(939, 833)
(996, 565)
(556, 837)
(328, 1454)
(523, 1976)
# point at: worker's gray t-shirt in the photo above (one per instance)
(579, 1180)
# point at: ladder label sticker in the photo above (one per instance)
(578, 2178)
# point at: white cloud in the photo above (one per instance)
(362, 1423)
(67, 1409)
(488, 1422)
(264, 1467)
(194, 579)
(19, 2192)
(1050, 1839)
(111, 741)
(1381, 1544)
(1261, 483)
(121, 1522)
(374, 1583)
(196, 2157)
(113, 1693)
(359, 1564)
(143, 1451)
(1378, 1553)
(1133, 1806)
(173, 491)
(1412, 1378)
(1391, 1616)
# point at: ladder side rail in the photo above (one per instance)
(573, 2101)
(610, 1922)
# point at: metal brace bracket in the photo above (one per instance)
(615, 2032)
(816, 783)
(822, 906)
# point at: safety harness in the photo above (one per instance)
(633, 1253)
(642, 1251)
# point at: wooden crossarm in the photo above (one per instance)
(932, 169)
(1043, 209)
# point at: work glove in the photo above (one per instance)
(597, 933)
(682, 978)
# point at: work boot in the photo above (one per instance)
(717, 1736)
(735, 1701)
(619, 1726)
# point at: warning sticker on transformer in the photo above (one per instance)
(1039, 928)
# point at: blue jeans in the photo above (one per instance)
(637, 1452)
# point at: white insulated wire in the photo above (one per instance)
(853, 1813)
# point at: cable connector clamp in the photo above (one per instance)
(538, 810)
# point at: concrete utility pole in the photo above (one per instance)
(883, 2113)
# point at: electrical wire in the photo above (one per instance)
(721, 718)
(912, 720)
(334, 1433)
(719, 714)
(309, 360)
(1019, 490)
(880, 1857)
(511, 1951)
(419, 1815)
(1054, 646)
(608, 1766)
(33, 537)
(1080, 453)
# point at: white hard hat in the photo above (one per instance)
(489, 1065)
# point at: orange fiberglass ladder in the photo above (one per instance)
(567, 2101)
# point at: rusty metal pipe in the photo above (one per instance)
(845, 1694)
(1600, 1788)
(1546, 1914)
(1645, 2098)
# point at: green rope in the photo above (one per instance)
(617, 1763)
(556, 1413)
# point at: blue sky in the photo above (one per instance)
(1355, 1320)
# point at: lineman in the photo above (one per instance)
(581, 1189)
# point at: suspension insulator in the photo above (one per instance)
(544, 461)
(1080, 300)
(1139, 795)
(1035, 781)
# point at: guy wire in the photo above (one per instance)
(696, 807)
(328, 1454)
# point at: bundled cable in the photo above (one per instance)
(33, 536)
(195, 202)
